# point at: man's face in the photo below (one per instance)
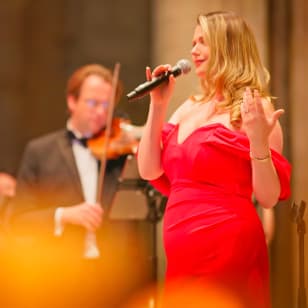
(89, 110)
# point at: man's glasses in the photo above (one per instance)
(93, 103)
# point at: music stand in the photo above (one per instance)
(297, 214)
(129, 201)
(136, 199)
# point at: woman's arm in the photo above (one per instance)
(268, 222)
(149, 151)
(266, 184)
(260, 122)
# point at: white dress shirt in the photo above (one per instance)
(87, 167)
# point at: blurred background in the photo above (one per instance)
(44, 41)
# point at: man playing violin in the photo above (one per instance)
(56, 208)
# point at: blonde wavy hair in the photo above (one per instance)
(234, 62)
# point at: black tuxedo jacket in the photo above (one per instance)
(48, 178)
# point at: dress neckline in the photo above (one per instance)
(200, 128)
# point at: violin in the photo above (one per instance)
(124, 139)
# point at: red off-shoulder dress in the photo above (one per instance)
(212, 233)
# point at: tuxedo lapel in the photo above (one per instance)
(66, 151)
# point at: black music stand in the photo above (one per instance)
(136, 199)
(297, 214)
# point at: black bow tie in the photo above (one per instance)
(83, 141)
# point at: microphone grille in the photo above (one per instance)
(184, 65)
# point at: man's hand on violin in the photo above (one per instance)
(87, 215)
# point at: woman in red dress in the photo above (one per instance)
(217, 149)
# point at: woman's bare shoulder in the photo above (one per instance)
(178, 114)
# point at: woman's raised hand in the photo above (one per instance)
(257, 121)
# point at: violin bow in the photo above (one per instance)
(100, 184)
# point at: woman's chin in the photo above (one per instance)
(200, 73)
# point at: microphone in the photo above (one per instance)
(182, 67)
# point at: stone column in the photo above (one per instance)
(298, 130)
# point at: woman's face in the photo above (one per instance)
(200, 52)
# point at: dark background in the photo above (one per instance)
(44, 41)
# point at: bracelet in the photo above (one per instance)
(263, 159)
